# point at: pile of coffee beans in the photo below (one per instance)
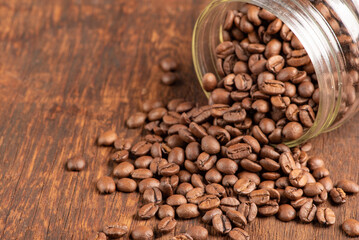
(217, 162)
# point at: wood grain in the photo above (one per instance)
(71, 69)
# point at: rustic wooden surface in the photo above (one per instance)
(70, 69)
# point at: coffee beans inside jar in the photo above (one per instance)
(217, 162)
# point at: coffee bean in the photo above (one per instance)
(286, 213)
(148, 105)
(198, 233)
(165, 211)
(152, 195)
(348, 186)
(221, 224)
(287, 163)
(107, 138)
(237, 218)
(239, 151)
(244, 186)
(197, 181)
(183, 236)
(307, 212)
(312, 189)
(325, 216)
(187, 211)
(269, 164)
(114, 231)
(168, 169)
(225, 49)
(209, 82)
(169, 78)
(148, 183)
(298, 178)
(300, 202)
(227, 166)
(148, 210)
(76, 164)
(215, 189)
(338, 195)
(238, 234)
(259, 197)
(327, 183)
(120, 156)
(141, 148)
(136, 120)
(249, 210)
(208, 216)
(167, 224)
(210, 145)
(184, 188)
(270, 208)
(126, 185)
(142, 162)
(293, 193)
(351, 227)
(142, 233)
(176, 200)
(168, 185)
(208, 202)
(141, 173)
(292, 131)
(106, 185)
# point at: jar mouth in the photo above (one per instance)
(306, 22)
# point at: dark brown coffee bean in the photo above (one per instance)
(141, 173)
(227, 166)
(148, 105)
(187, 211)
(197, 181)
(106, 185)
(275, 26)
(239, 151)
(269, 164)
(126, 185)
(270, 208)
(210, 145)
(292, 131)
(348, 186)
(229, 203)
(252, 176)
(225, 49)
(209, 82)
(272, 87)
(142, 233)
(136, 120)
(282, 182)
(194, 195)
(148, 210)
(141, 162)
(123, 144)
(167, 224)
(229, 180)
(266, 184)
(148, 183)
(221, 224)
(176, 200)
(168, 64)
(208, 216)
(215, 189)
(300, 202)
(114, 231)
(244, 186)
(250, 165)
(141, 148)
(238, 234)
(198, 233)
(320, 172)
(165, 211)
(307, 212)
(107, 138)
(152, 195)
(168, 185)
(237, 218)
(168, 169)
(259, 197)
(338, 195)
(208, 202)
(327, 183)
(298, 178)
(325, 216)
(287, 163)
(293, 193)
(313, 189)
(286, 213)
(351, 227)
(298, 58)
(123, 170)
(249, 210)
(193, 150)
(76, 164)
(205, 161)
(184, 188)
(120, 156)
(191, 166)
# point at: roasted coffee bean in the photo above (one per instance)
(148, 210)
(187, 211)
(107, 138)
(259, 197)
(348, 186)
(168, 78)
(186, 136)
(269, 164)
(270, 208)
(122, 144)
(325, 216)
(229, 203)
(176, 156)
(136, 120)
(221, 224)
(338, 195)
(142, 233)
(293, 193)
(249, 210)
(209, 82)
(142, 162)
(292, 131)
(238, 234)
(266, 184)
(168, 169)
(168, 64)
(195, 195)
(312, 189)
(120, 156)
(300, 202)
(148, 105)
(148, 183)
(167, 224)
(76, 164)
(306, 116)
(198, 233)
(213, 176)
(106, 185)
(252, 176)
(229, 180)
(165, 211)
(298, 178)
(168, 185)
(205, 161)
(225, 49)
(282, 182)
(141, 173)
(239, 151)
(227, 166)
(210, 145)
(193, 150)
(215, 189)
(208, 216)
(208, 202)
(141, 148)
(351, 227)
(126, 185)
(184, 188)
(307, 212)
(152, 195)
(250, 166)
(237, 218)
(315, 162)
(156, 114)
(191, 166)
(184, 176)
(197, 181)
(286, 213)
(244, 186)
(286, 162)
(114, 231)
(320, 172)
(327, 183)
(176, 200)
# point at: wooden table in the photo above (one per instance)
(71, 69)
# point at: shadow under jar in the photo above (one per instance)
(328, 31)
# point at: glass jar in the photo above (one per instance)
(329, 32)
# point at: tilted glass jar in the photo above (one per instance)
(329, 32)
